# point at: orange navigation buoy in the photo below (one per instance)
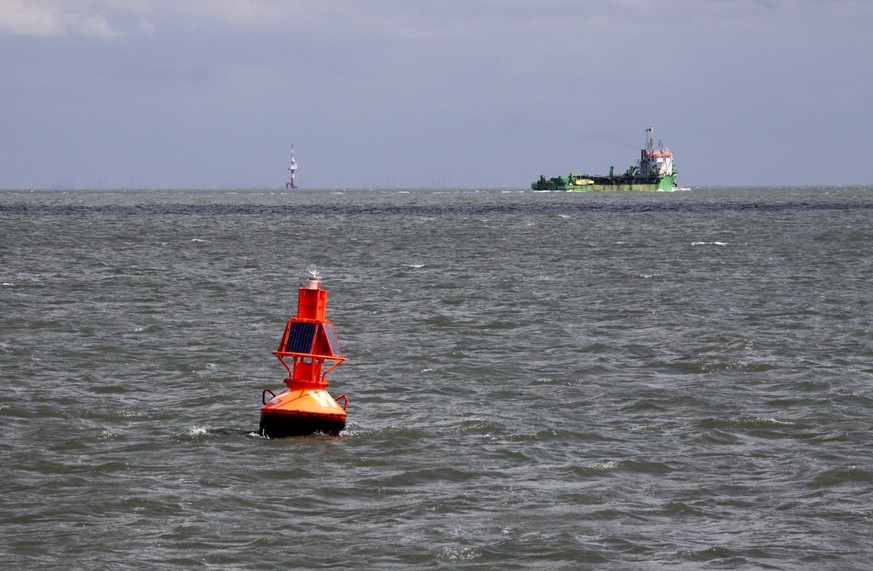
(309, 340)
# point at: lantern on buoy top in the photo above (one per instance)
(309, 342)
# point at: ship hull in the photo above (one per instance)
(575, 183)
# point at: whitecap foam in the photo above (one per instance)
(759, 421)
(133, 414)
(463, 553)
(609, 465)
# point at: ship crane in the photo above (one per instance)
(293, 168)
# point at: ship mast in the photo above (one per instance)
(293, 168)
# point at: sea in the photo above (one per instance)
(535, 380)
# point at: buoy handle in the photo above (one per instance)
(264, 396)
(345, 400)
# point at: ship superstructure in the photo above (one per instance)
(655, 161)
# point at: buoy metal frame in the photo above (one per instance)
(310, 341)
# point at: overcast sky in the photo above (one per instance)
(439, 93)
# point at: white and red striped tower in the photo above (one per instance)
(293, 168)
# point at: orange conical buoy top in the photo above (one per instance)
(310, 341)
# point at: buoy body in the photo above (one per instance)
(309, 342)
(300, 412)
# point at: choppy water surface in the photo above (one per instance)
(549, 381)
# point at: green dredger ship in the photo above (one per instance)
(653, 172)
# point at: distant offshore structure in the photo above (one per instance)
(293, 168)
